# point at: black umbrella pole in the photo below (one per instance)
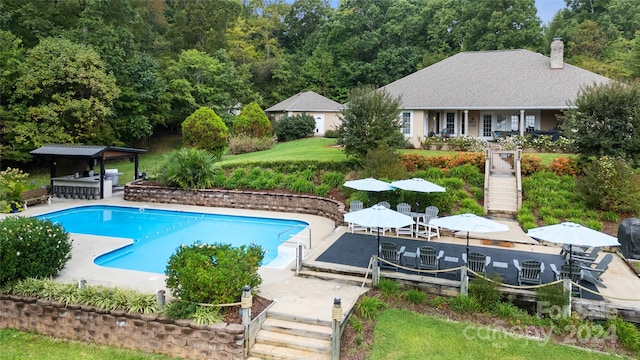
(378, 248)
(467, 246)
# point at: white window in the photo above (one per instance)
(515, 122)
(405, 123)
(530, 121)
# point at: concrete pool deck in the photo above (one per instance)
(294, 295)
(302, 297)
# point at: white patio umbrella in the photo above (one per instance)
(378, 216)
(469, 223)
(570, 233)
(369, 184)
(418, 185)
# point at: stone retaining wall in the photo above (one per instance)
(292, 203)
(148, 333)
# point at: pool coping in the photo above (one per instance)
(87, 247)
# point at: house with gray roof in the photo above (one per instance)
(482, 93)
(324, 110)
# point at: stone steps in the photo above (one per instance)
(287, 337)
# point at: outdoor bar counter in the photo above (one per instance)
(87, 187)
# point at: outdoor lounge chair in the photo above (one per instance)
(583, 255)
(450, 262)
(427, 258)
(390, 252)
(385, 204)
(530, 272)
(356, 205)
(477, 262)
(404, 208)
(592, 275)
(574, 273)
(424, 228)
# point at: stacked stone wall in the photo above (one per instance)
(267, 201)
(148, 333)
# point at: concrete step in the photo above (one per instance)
(283, 339)
(265, 351)
(314, 331)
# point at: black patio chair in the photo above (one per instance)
(390, 252)
(429, 258)
(530, 272)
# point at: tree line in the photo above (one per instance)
(116, 71)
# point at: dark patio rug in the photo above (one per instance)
(356, 250)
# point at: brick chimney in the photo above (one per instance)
(557, 54)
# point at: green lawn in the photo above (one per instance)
(305, 149)
(402, 334)
(18, 345)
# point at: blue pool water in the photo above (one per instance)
(157, 233)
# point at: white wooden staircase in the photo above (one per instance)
(503, 184)
(285, 337)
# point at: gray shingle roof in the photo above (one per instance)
(505, 79)
(81, 150)
(306, 101)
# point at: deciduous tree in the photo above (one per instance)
(370, 121)
(606, 121)
(64, 95)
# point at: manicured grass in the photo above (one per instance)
(402, 334)
(546, 158)
(17, 345)
(305, 149)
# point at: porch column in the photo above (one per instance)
(521, 122)
(466, 122)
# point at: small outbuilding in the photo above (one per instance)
(325, 111)
(72, 169)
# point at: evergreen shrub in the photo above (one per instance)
(252, 122)
(205, 130)
(295, 127)
(213, 274)
(31, 247)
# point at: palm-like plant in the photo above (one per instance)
(190, 168)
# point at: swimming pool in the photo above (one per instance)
(157, 233)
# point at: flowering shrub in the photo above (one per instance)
(564, 166)
(512, 142)
(12, 184)
(542, 143)
(565, 145)
(468, 143)
(610, 184)
(31, 247)
(530, 164)
(213, 274)
(416, 162)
